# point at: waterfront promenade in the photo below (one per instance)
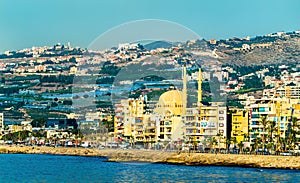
(201, 159)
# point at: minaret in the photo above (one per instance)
(199, 87)
(184, 90)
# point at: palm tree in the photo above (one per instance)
(246, 138)
(233, 139)
(219, 135)
(228, 142)
(214, 143)
(278, 146)
(241, 145)
(265, 123)
(256, 143)
(272, 129)
(269, 146)
(293, 132)
(283, 143)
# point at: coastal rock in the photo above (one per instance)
(203, 159)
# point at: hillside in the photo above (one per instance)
(269, 49)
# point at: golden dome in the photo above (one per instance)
(170, 103)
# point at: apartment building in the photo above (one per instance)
(240, 124)
(278, 111)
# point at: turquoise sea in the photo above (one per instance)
(53, 168)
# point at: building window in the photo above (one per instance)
(221, 112)
(221, 124)
(221, 118)
(221, 131)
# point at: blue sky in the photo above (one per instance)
(27, 23)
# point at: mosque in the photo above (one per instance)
(171, 121)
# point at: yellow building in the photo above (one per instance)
(278, 110)
(129, 120)
(240, 124)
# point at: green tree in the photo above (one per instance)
(3, 80)
(54, 104)
(39, 122)
(16, 136)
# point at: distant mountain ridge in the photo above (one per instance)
(160, 44)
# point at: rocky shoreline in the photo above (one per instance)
(194, 159)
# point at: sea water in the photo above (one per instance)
(54, 168)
